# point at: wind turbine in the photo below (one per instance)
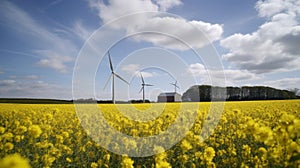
(143, 87)
(112, 76)
(175, 85)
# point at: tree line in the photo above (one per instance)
(208, 93)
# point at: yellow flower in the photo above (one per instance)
(286, 119)
(162, 164)
(2, 130)
(34, 131)
(8, 136)
(264, 134)
(293, 147)
(127, 162)
(14, 161)
(8, 146)
(183, 158)
(263, 152)
(48, 159)
(209, 154)
(21, 130)
(49, 116)
(69, 160)
(246, 150)
(244, 165)
(18, 138)
(94, 165)
(185, 145)
(65, 134)
(106, 157)
(59, 138)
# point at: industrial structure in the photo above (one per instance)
(169, 97)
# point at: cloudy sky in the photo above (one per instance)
(257, 43)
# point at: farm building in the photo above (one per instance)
(169, 97)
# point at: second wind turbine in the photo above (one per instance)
(143, 87)
(175, 86)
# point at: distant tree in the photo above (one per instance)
(296, 91)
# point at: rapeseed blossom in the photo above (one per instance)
(248, 134)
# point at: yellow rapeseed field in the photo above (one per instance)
(249, 134)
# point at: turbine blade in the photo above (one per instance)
(110, 63)
(121, 78)
(107, 81)
(177, 87)
(142, 78)
(148, 85)
(141, 90)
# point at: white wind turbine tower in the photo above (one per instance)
(175, 85)
(143, 87)
(112, 76)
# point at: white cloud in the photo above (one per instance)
(274, 46)
(55, 2)
(188, 31)
(7, 82)
(167, 4)
(82, 31)
(285, 83)
(33, 89)
(131, 68)
(135, 69)
(54, 61)
(233, 77)
(147, 74)
(32, 77)
(185, 32)
(197, 69)
(118, 8)
(43, 39)
(27, 77)
(269, 8)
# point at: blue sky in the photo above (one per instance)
(256, 43)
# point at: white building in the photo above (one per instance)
(169, 97)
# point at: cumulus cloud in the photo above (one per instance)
(135, 69)
(285, 83)
(54, 60)
(131, 68)
(232, 76)
(164, 5)
(274, 46)
(187, 31)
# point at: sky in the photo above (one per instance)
(44, 45)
